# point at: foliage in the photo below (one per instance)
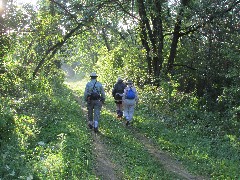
(6, 119)
(196, 107)
(121, 62)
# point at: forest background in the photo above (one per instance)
(183, 56)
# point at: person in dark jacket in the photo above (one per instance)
(117, 93)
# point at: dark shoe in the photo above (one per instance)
(96, 130)
(90, 126)
(121, 113)
(127, 123)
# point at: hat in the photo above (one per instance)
(93, 74)
(119, 79)
(129, 82)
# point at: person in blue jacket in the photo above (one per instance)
(130, 100)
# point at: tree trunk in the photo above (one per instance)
(152, 38)
(144, 34)
(158, 36)
(176, 35)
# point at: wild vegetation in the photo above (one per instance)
(183, 57)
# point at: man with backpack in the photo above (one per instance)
(94, 95)
(117, 93)
(130, 99)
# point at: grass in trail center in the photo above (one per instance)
(128, 153)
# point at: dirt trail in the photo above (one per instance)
(104, 169)
(107, 170)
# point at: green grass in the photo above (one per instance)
(50, 140)
(215, 157)
(212, 156)
(129, 153)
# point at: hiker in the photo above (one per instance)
(94, 95)
(130, 100)
(117, 93)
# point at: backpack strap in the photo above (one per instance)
(94, 86)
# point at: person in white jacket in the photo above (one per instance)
(130, 99)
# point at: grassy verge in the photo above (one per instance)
(49, 141)
(211, 156)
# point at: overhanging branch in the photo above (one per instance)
(212, 17)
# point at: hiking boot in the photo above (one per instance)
(90, 126)
(127, 123)
(96, 130)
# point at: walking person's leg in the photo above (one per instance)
(118, 109)
(126, 114)
(131, 112)
(97, 113)
(90, 114)
(121, 109)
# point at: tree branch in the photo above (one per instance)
(64, 8)
(53, 50)
(212, 17)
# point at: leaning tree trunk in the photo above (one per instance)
(176, 36)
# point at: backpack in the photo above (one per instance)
(94, 94)
(130, 94)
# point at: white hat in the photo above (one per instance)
(93, 74)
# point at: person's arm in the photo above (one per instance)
(103, 96)
(114, 91)
(86, 93)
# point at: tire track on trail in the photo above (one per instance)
(104, 169)
(166, 160)
(162, 157)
